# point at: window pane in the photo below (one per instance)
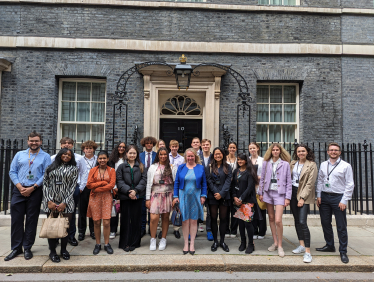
(275, 94)
(68, 130)
(98, 132)
(289, 133)
(262, 133)
(83, 132)
(83, 111)
(275, 133)
(290, 94)
(262, 113)
(275, 2)
(98, 92)
(289, 113)
(276, 113)
(98, 110)
(263, 2)
(68, 91)
(289, 2)
(262, 94)
(67, 111)
(83, 91)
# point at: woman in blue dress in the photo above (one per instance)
(190, 192)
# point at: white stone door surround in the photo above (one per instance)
(205, 88)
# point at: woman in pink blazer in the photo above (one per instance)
(276, 190)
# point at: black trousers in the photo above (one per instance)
(260, 226)
(131, 223)
(243, 225)
(330, 205)
(114, 223)
(23, 232)
(232, 222)
(208, 220)
(83, 206)
(300, 216)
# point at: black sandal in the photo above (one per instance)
(54, 257)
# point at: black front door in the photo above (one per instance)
(182, 130)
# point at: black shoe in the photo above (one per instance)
(242, 246)
(97, 249)
(92, 234)
(65, 255)
(142, 233)
(160, 235)
(214, 247)
(177, 234)
(131, 249)
(250, 249)
(192, 252)
(326, 248)
(28, 254)
(344, 258)
(127, 249)
(185, 252)
(54, 258)
(81, 236)
(108, 249)
(13, 254)
(224, 247)
(72, 241)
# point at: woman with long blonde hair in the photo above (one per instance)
(276, 190)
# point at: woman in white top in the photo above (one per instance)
(258, 225)
(116, 158)
(159, 195)
(232, 222)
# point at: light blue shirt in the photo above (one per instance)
(177, 161)
(19, 169)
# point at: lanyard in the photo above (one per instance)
(162, 171)
(239, 174)
(32, 161)
(273, 172)
(328, 174)
(88, 162)
(103, 175)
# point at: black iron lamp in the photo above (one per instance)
(183, 73)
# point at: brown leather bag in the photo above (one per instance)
(54, 227)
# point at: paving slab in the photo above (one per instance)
(118, 263)
(20, 265)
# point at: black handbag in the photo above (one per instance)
(176, 216)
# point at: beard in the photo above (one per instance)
(34, 147)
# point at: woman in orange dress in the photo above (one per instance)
(101, 181)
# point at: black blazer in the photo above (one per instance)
(123, 180)
(210, 159)
(225, 182)
(246, 185)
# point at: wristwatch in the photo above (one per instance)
(35, 186)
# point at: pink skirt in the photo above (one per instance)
(161, 202)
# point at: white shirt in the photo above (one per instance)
(274, 186)
(82, 170)
(340, 179)
(296, 173)
(90, 163)
(233, 165)
(146, 159)
(259, 162)
(120, 161)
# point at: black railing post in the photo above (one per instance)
(371, 178)
(365, 145)
(360, 172)
(2, 149)
(8, 160)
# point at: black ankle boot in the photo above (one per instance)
(250, 249)
(242, 245)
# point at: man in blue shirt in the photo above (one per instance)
(26, 172)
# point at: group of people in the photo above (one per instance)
(128, 187)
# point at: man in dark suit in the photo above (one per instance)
(147, 157)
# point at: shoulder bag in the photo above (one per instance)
(54, 227)
(176, 216)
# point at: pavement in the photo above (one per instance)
(360, 253)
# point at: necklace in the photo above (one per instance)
(102, 176)
(255, 161)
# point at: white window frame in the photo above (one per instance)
(60, 122)
(297, 117)
(297, 3)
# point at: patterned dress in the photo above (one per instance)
(189, 198)
(59, 186)
(162, 194)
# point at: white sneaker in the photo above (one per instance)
(233, 235)
(307, 257)
(162, 244)
(152, 246)
(201, 229)
(300, 249)
(112, 235)
(260, 237)
(255, 237)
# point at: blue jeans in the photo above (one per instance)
(73, 228)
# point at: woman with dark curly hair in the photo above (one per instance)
(304, 174)
(116, 158)
(218, 177)
(159, 195)
(59, 181)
